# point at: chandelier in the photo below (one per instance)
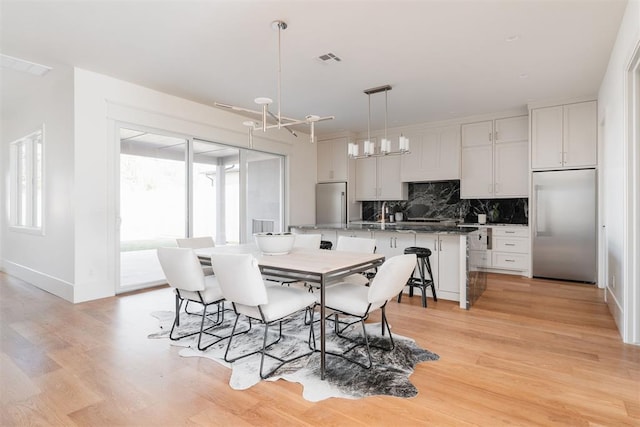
(369, 147)
(278, 121)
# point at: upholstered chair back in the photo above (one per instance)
(240, 279)
(308, 241)
(181, 268)
(356, 244)
(196, 242)
(391, 278)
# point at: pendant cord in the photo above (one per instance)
(369, 121)
(279, 74)
(386, 112)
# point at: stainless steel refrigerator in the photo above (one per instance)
(564, 228)
(331, 203)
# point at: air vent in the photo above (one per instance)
(18, 64)
(329, 57)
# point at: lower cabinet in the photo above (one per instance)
(445, 263)
(392, 243)
(510, 249)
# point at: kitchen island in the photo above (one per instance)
(456, 278)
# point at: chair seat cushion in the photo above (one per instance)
(283, 301)
(348, 298)
(211, 293)
(356, 279)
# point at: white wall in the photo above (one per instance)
(616, 178)
(44, 260)
(76, 258)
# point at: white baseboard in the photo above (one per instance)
(40, 280)
(617, 312)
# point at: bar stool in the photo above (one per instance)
(422, 282)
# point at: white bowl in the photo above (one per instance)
(275, 243)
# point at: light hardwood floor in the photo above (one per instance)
(530, 352)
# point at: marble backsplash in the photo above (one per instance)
(441, 200)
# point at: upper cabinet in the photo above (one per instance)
(564, 136)
(378, 178)
(333, 160)
(495, 159)
(434, 156)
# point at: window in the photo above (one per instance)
(26, 186)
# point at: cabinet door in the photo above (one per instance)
(474, 134)
(580, 134)
(366, 179)
(430, 241)
(512, 129)
(388, 177)
(546, 137)
(448, 154)
(392, 243)
(449, 264)
(476, 181)
(434, 156)
(332, 160)
(411, 168)
(511, 171)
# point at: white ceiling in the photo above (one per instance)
(443, 58)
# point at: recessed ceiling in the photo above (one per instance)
(444, 59)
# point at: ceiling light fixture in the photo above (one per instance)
(280, 120)
(369, 147)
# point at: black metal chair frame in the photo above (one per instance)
(265, 346)
(361, 319)
(206, 331)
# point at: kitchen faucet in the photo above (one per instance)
(384, 213)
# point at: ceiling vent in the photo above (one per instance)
(18, 64)
(329, 57)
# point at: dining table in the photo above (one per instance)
(319, 266)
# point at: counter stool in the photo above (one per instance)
(326, 244)
(422, 282)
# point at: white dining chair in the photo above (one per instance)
(199, 243)
(242, 284)
(357, 244)
(184, 274)
(308, 241)
(359, 301)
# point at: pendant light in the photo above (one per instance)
(264, 102)
(385, 143)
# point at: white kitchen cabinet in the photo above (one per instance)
(495, 159)
(434, 155)
(333, 160)
(564, 136)
(510, 249)
(392, 243)
(378, 178)
(445, 262)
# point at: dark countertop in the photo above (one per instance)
(392, 226)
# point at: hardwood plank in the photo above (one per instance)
(530, 352)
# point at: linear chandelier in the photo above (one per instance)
(369, 147)
(280, 120)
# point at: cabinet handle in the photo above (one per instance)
(509, 244)
(489, 136)
(395, 242)
(435, 244)
(510, 260)
(440, 246)
(495, 136)
(561, 157)
(564, 157)
(509, 232)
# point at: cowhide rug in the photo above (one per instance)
(388, 376)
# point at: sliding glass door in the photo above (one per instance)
(153, 192)
(173, 187)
